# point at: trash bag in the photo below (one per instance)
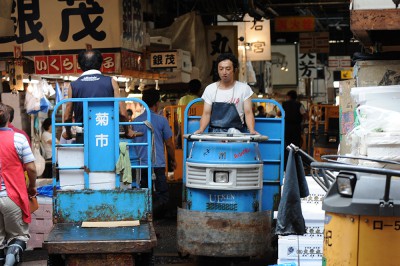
(40, 162)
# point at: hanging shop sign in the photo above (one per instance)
(339, 61)
(314, 42)
(53, 26)
(164, 59)
(220, 39)
(307, 65)
(257, 39)
(294, 24)
(68, 64)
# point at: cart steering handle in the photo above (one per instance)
(226, 137)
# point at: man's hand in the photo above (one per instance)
(130, 134)
(32, 191)
(254, 132)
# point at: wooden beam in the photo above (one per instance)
(378, 19)
(110, 224)
(364, 21)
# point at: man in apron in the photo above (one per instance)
(227, 102)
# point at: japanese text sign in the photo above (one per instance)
(71, 24)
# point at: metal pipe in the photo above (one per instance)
(308, 4)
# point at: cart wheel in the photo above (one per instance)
(55, 260)
(183, 256)
(145, 259)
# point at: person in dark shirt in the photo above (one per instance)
(295, 113)
(91, 84)
(162, 141)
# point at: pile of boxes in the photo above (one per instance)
(41, 224)
(306, 249)
(174, 64)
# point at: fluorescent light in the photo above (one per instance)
(135, 95)
(33, 81)
(336, 84)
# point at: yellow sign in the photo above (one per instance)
(346, 74)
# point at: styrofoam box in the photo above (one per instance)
(184, 60)
(74, 180)
(71, 179)
(176, 76)
(385, 97)
(302, 262)
(316, 195)
(44, 200)
(383, 145)
(304, 248)
(315, 230)
(313, 214)
(160, 40)
(70, 157)
(373, 4)
(379, 165)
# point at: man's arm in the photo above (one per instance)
(171, 152)
(31, 171)
(123, 115)
(205, 118)
(249, 116)
(68, 115)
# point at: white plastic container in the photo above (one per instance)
(383, 145)
(303, 248)
(71, 179)
(303, 262)
(74, 180)
(101, 180)
(70, 157)
(385, 97)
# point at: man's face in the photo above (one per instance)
(226, 71)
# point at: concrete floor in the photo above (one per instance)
(165, 252)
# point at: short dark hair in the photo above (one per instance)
(4, 115)
(228, 56)
(90, 59)
(292, 94)
(194, 86)
(46, 123)
(11, 111)
(151, 96)
(129, 112)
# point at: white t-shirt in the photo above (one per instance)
(237, 95)
(46, 136)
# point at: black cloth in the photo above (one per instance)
(290, 220)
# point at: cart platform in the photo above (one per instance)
(71, 238)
